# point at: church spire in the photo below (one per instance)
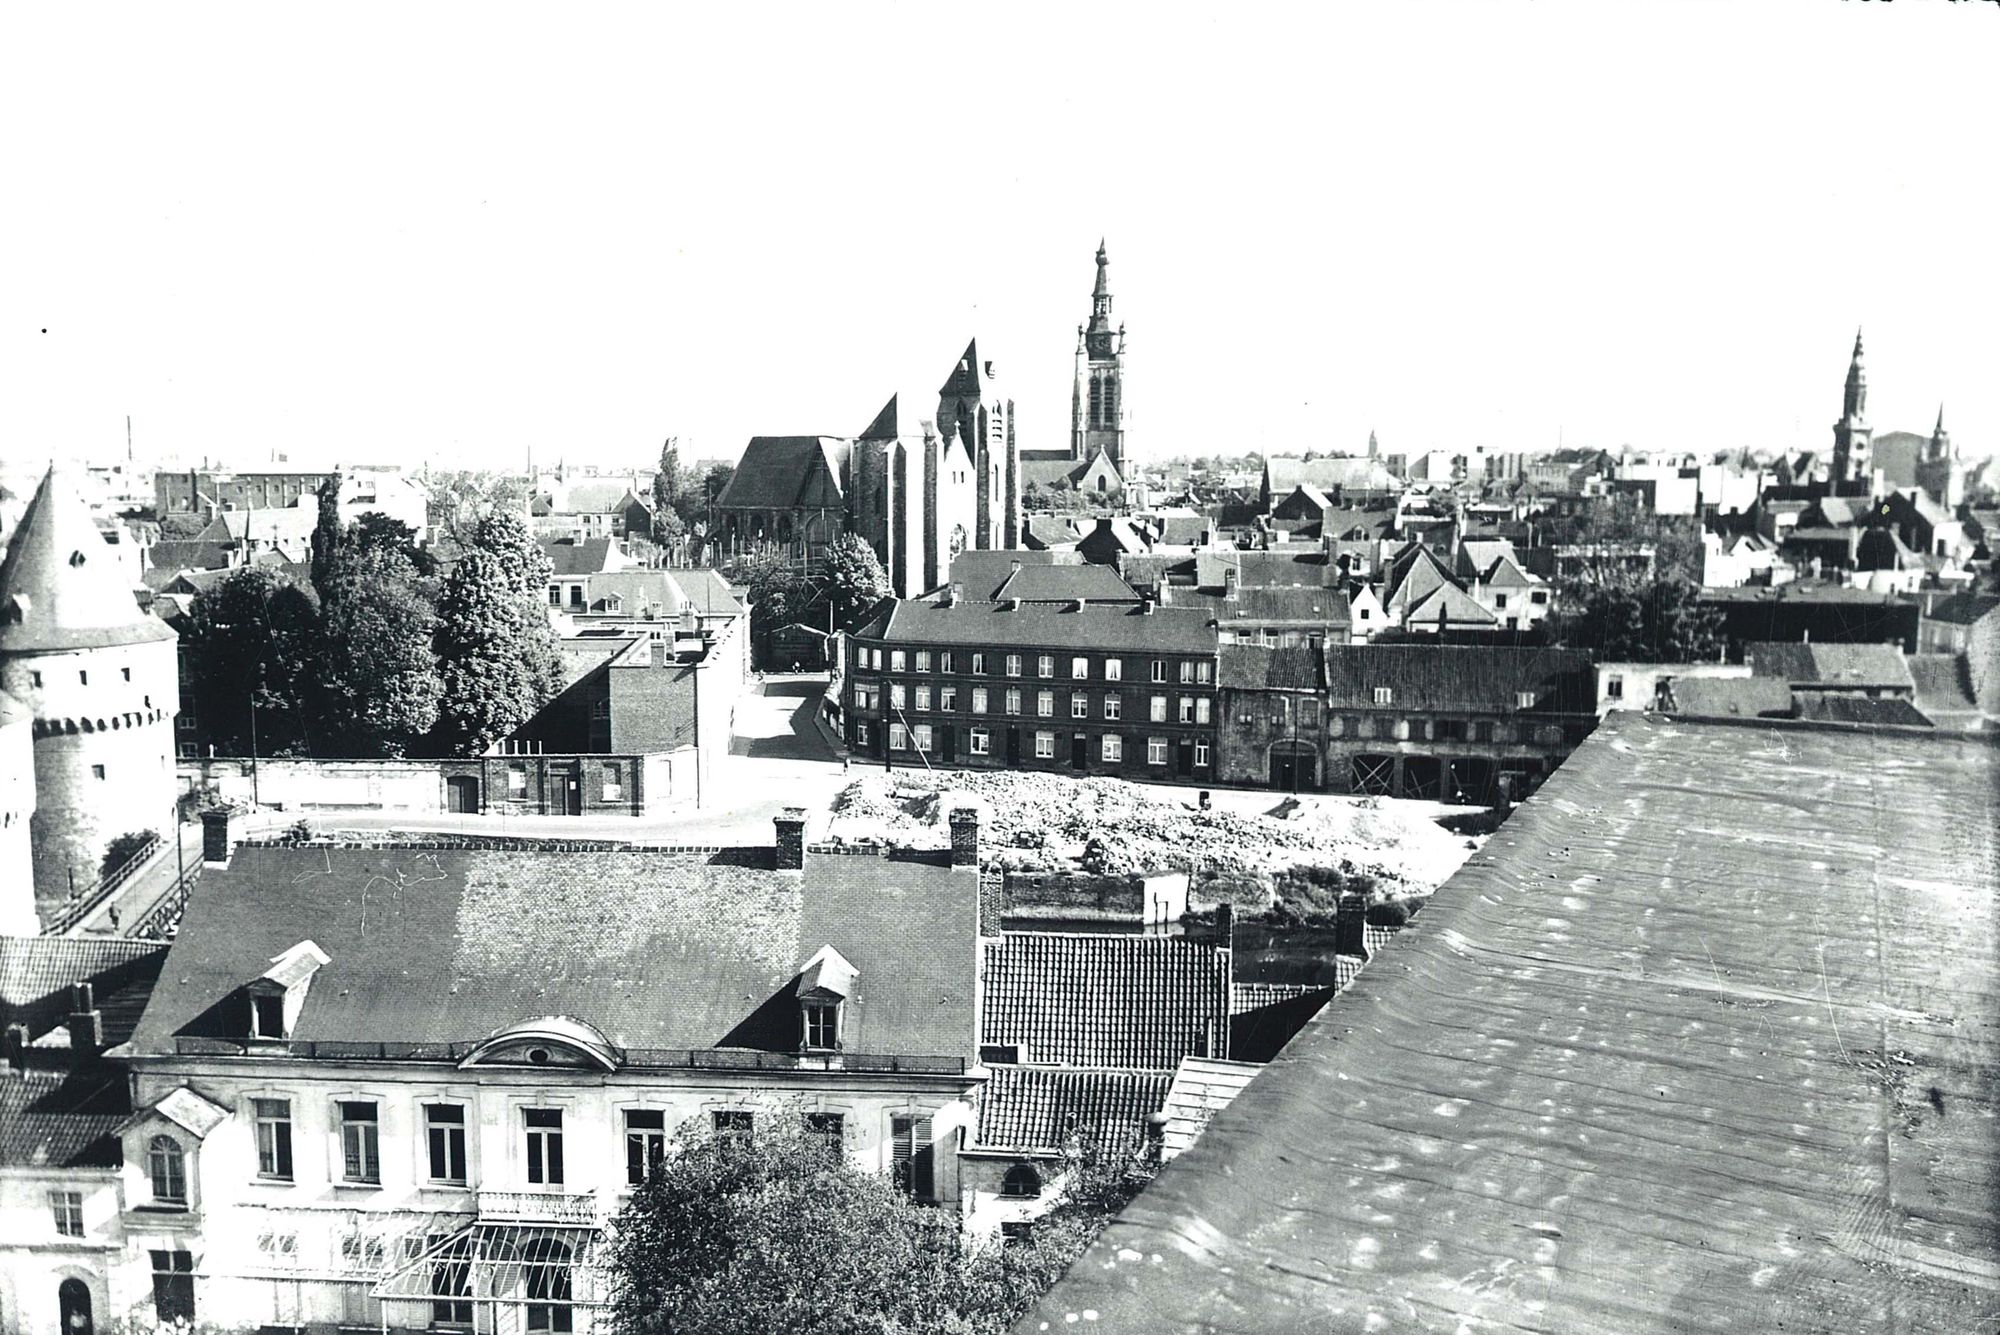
(1855, 402)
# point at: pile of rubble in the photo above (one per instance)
(1050, 822)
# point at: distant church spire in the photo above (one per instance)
(1853, 466)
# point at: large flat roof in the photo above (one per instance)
(1705, 1038)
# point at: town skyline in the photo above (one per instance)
(579, 242)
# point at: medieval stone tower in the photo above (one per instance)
(1097, 402)
(17, 807)
(971, 410)
(1853, 462)
(101, 680)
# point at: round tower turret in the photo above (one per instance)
(100, 679)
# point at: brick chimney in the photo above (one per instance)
(1230, 583)
(791, 825)
(86, 1022)
(659, 653)
(219, 836)
(1225, 926)
(964, 836)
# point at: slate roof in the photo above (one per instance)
(1944, 690)
(1037, 1111)
(1140, 1002)
(1894, 711)
(1103, 626)
(62, 1117)
(1455, 677)
(288, 523)
(1051, 582)
(37, 972)
(1256, 667)
(1627, 1081)
(1295, 604)
(173, 555)
(785, 473)
(1201, 1088)
(1052, 531)
(572, 558)
(1822, 664)
(655, 949)
(1731, 697)
(1448, 605)
(1964, 609)
(1258, 570)
(62, 585)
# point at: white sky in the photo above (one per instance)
(392, 233)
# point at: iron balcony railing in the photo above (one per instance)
(538, 1207)
(706, 1059)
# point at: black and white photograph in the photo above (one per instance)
(890, 669)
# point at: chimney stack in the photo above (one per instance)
(1013, 567)
(965, 837)
(1350, 917)
(957, 594)
(219, 836)
(14, 1046)
(659, 653)
(1230, 583)
(791, 824)
(86, 1022)
(1225, 926)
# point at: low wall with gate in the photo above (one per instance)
(540, 784)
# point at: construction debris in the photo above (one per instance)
(1050, 822)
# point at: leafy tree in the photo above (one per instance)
(253, 641)
(378, 688)
(329, 536)
(670, 493)
(522, 566)
(460, 499)
(855, 579)
(489, 686)
(715, 481)
(376, 529)
(1660, 622)
(120, 850)
(785, 1234)
(182, 528)
(778, 594)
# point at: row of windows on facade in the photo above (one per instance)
(83, 678)
(1364, 725)
(612, 782)
(979, 742)
(868, 695)
(1190, 671)
(444, 1147)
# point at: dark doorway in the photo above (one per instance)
(1184, 757)
(568, 780)
(73, 1297)
(1014, 748)
(1294, 768)
(1423, 777)
(1079, 751)
(461, 794)
(947, 742)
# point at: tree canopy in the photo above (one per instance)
(787, 1233)
(489, 685)
(855, 578)
(378, 681)
(253, 642)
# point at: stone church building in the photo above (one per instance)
(1094, 463)
(929, 477)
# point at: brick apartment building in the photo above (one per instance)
(1088, 688)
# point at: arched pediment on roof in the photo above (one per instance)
(550, 1040)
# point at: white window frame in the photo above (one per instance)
(1013, 665)
(899, 737)
(979, 699)
(1114, 705)
(923, 698)
(1045, 704)
(923, 660)
(1159, 669)
(1156, 709)
(1385, 695)
(981, 743)
(1113, 748)
(1045, 746)
(1045, 665)
(280, 1171)
(897, 660)
(1156, 750)
(442, 1130)
(923, 738)
(1201, 755)
(367, 1137)
(1114, 669)
(1013, 701)
(1079, 705)
(1079, 669)
(1202, 710)
(947, 699)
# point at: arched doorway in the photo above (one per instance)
(73, 1297)
(1294, 767)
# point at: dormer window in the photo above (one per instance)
(822, 1025)
(279, 994)
(824, 986)
(267, 1015)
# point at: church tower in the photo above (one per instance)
(1097, 403)
(1853, 464)
(1940, 471)
(972, 410)
(101, 680)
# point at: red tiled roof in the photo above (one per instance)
(1041, 1111)
(1131, 1001)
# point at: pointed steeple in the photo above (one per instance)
(1855, 401)
(1940, 438)
(61, 587)
(1103, 288)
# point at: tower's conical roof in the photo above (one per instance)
(60, 587)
